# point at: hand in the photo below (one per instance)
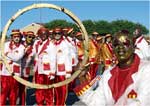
(68, 75)
(50, 77)
(6, 53)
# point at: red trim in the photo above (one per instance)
(79, 44)
(1, 66)
(37, 45)
(16, 69)
(58, 42)
(80, 57)
(108, 62)
(92, 60)
(46, 66)
(80, 87)
(140, 39)
(67, 39)
(109, 46)
(27, 70)
(61, 67)
(44, 46)
(52, 74)
(29, 50)
(113, 81)
(73, 60)
(95, 43)
(11, 45)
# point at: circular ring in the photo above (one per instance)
(73, 17)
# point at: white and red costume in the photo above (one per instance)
(120, 87)
(9, 86)
(45, 68)
(142, 48)
(73, 49)
(26, 68)
(63, 69)
(74, 54)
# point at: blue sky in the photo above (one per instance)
(135, 11)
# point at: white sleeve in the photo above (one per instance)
(68, 63)
(143, 93)
(143, 51)
(16, 55)
(94, 97)
(52, 58)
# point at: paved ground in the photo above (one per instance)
(72, 99)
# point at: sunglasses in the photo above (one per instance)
(31, 37)
(57, 33)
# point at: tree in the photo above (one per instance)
(125, 24)
(101, 26)
(59, 23)
(89, 25)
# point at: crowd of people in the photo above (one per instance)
(54, 55)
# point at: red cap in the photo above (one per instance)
(15, 31)
(57, 30)
(42, 31)
(51, 31)
(65, 29)
(70, 30)
(108, 35)
(30, 33)
(99, 38)
(95, 33)
(78, 34)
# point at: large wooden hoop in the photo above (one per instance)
(51, 6)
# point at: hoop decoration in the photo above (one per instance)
(61, 9)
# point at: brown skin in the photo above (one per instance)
(137, 33)
(30, 39)
(124, 50)
(43, 36)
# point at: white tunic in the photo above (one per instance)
(13, 57)
(102, 96)
(142, 48)
(45, 58)
(63, 59)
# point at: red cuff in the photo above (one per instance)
(80, 89)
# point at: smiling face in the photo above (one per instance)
(57, 35)
(16, 38)
(43, 33)
(30, 39)
(123, 48)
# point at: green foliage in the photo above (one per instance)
(59, 23)
(128, 25)
(100, 26)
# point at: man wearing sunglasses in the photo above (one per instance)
(14, 52)
(63, 66)
(44, 66)
(26, 64)
(125, 84)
